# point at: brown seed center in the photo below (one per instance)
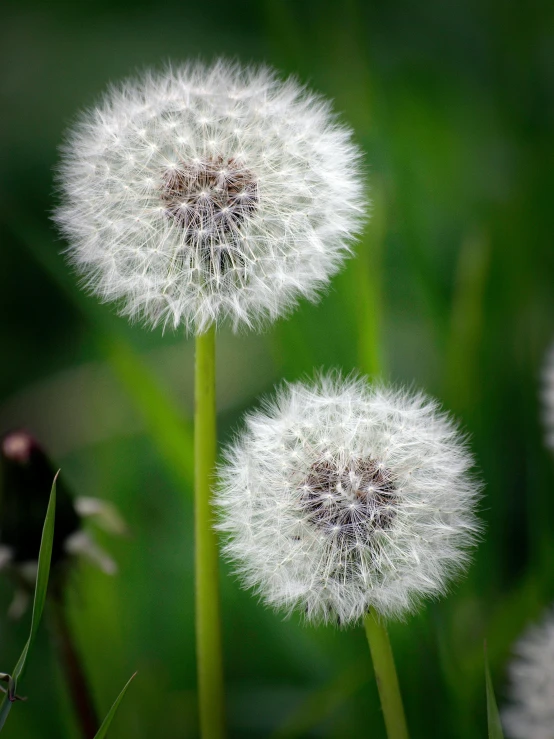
(351, 502)
(210, 198)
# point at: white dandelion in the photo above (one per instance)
(531, 714)
(340, 496)
(548, 397)
(204, 193)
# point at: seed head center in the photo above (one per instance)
(210, 198)
(352, 501)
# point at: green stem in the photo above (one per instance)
(208, 620)
(371, 359)
(385, 674)
(369, 295)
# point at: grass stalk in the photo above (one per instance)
(208, 619)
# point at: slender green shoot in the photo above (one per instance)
(493, 717)
(43, 572)
(106, 723)
(368, 291)
(387, 680)
(208, 619)
(462, 379)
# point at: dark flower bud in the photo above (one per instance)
(26, 476)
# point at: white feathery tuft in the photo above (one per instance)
(531, 713)
(548, 397)
(340, 496)
(206, 193)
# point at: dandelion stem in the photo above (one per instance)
(73, 670)
(208, 620)
(385, 674)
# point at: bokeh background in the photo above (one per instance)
(452, 103)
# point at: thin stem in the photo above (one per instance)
(208, 619)
(369, 299)
(74, 673)
(387, 680)
(369, 313)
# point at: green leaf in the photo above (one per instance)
(41, 588)
(103, 730)
(493, 717)
(5, 708)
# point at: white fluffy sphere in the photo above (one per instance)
(548, 397)
(204, 193)
(340, 496)
(531, 715)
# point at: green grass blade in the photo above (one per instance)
(41, 588)
(5, 708)
(368, 278)
(43, 573)
(103, 730)
(462, 379)
(493, 717)
(172, 434)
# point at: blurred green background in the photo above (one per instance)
(453, 105)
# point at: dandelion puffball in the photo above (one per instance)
(204, 193)
(340, 496)
(531, 715)
(548, 397)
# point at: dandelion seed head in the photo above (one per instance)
(548, 397)
(531, 713)
(340, 496)
(206, 193)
